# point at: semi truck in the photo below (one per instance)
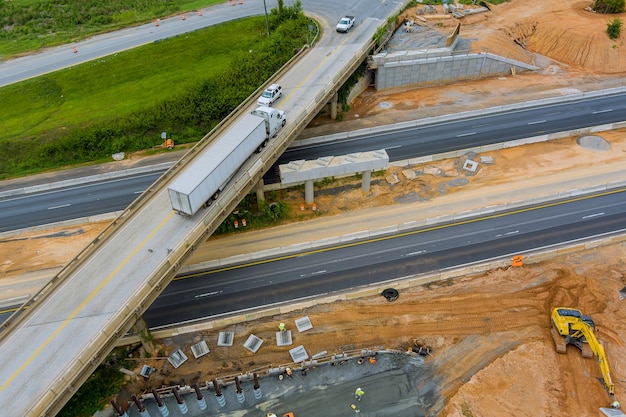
(202, 180)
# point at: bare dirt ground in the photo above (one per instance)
(489, 333)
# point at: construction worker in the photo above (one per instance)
(354, 407)
(281, 327)
(288, 372)
(358, 394)
(615, 404)
(372, 360)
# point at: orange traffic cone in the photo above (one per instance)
(240, 1)
(314, 208)
(243, 222)
(232, 2)
(183, 16)
(156, 23)
(74, 49)
(236, 224)
(199, 12)
(301, 207)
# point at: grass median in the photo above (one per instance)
(183, 85)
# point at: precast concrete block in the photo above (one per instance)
(259, 314)
(545, 198)
(517, 203)
(325, 242)
(349, 237)
(616, 184)
(465, 214)
(297, 247)
(439, 219)
(602, 128)
(597, 243)
(384, 231)
(591, 189)
(491, 148)
(236, 259)
(570, 249)
(369, 292)
(514, 143)
(267, 253)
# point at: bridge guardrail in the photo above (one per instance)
(16, 318)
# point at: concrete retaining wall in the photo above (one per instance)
(441, 66)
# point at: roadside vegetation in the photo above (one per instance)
(183, 85)
(29, 25)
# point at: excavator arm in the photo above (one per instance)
(598, 351)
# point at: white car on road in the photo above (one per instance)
(270, 95)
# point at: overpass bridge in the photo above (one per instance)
(55, 341)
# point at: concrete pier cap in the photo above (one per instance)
(332, 166)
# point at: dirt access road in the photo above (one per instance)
(493, 353)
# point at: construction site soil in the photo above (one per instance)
(489, 333)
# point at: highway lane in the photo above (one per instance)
(400, 144)
(466, 133)
(56, 58)
(329, 270)
(72, 202)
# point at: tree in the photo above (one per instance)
(608, 6)
(614, 28)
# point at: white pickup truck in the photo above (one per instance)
(345, 24)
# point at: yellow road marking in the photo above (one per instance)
(83, 304)
(397, 235)
(322, 62)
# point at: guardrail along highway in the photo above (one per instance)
(55, 341)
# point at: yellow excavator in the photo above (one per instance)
(570, 326)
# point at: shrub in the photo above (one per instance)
(614, 28)
(608, 6)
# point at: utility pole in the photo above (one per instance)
(267, 23)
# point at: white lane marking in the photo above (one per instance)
(514, 232)
(536, 122)
(419, 252)
(465, 134)
(602, 111)
(207, 294)
(593, 215)
(61, 206)
(393, 147)
(313, 273)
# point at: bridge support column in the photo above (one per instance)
(309, 196)
(142, 330)
(118, 409)
(333, 106)
(256, 389)
(201, 401)
(367, 176)
(260, 195)
(182, 406)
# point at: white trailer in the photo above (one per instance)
(201, 181)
